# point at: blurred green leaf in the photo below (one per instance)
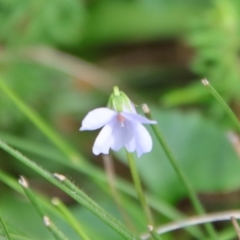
(130, 21)
(194, 93)
(41, 21)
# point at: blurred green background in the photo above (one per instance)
(62, 58)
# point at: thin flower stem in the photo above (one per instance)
(196, 220)
(5, 230)
(217, 96)
(153, 233)
(117, 197)
(70, 218)
(53, 229)
(180, 173)
(236, 226)
(138, 187)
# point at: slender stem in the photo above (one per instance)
(23, 182)
(11, 182)
(180, 173)
(70, 218)
(52, 228)
(196, 220)
(117, 197)
(5, 230)
(236, 226)
(138, 187)
(95, 208)
(153, 233)
(217, 96)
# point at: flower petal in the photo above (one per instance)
(122, 134)
(137, 118)
(104, 140)
(142, 138)
(97, 118)
(131, 145)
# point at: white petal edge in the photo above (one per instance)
(143, 139)
(97, 118)
(104, 140)
(137, 118)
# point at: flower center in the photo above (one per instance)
(121, 119)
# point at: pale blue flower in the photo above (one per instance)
(120, 129)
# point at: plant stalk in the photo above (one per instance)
(138, 187)
(180, 173)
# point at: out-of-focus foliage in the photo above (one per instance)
(49, 21)
(215, 40)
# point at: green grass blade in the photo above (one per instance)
(107, 218)
(5, 229)
(72, 221)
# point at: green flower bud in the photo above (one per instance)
(119, 101)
